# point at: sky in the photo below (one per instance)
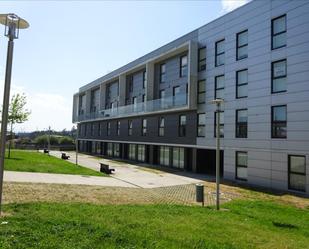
(71, 43)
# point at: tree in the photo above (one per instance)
(43, 140)
(17, 114)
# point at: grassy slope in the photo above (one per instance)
(245, 224)
(31, 161)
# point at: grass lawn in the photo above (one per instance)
(32, 161)
(243, 224)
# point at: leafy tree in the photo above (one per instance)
(17, 114)
(66, 141)
(43, 140)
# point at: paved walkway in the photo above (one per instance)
(139, 175)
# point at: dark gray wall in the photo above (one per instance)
(171, 129)
(138, 90)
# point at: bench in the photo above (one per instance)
(46, 151)
(105, 168)
(64, 156)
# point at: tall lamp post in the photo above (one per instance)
(12, 25)
(218, 103)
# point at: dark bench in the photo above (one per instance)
(64, 156)
(105, 168)
(46, 151)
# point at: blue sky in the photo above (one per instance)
(71, 43)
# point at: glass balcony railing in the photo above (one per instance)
(173, 102)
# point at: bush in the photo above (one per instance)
(66, 141)
(43, 140)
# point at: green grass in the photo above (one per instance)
(32, 161)
(244, 224)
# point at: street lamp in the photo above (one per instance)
(12, 25)
(218, 103)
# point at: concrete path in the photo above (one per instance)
(14, 176)
(137, 175)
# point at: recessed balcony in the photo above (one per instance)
(158, 105)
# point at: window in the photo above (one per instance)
(144, 127)
(219, 60)
(221, 123)
(141, 153)
(85, 129)
(118, 128)
(95, 98)
(144, 98)
(134, 102)
(202, 59)
(162, 73)
(201, 120)
(116, 150)
(178, 157)
(132, 151)
(108, 128)
(91, 129)
(130, 127)
(242, 123)
(297, 172)
(201, 89)
(82, 104)
(144, 79)
(161, 126)
(278, 76)
(131, 83)
(183, 66)
(242, 84)
(79, 128)
(162, 97)
(241, 165)
(110, 149)
(278, 121)
(242, 45)
(99, 129)
(182, 125)
(278, 32)
(219, 87)
(176, 90)
(164, 155)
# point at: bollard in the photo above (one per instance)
(200, 193)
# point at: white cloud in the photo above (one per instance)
(229, 5)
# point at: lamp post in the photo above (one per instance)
(12, 25)
(218, 103)
(76, 146)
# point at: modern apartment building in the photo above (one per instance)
(157, 108)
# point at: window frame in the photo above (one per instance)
(200, 125)
(161, 129)
(274, 35)
(295, 173)
(144, 79)
(118, 128)
(201, 92)
(278, 122)
(218, 54)
(240, 166)
(144, 127)
(215, 124)
(238, 124)
(242, 84)
(130, 127)
(238, 47)
(280, 77)
(200, 61)
(221, 88)
(182, 128)
(162, 74)
(182, 67)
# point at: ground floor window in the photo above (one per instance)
(116, 150)
(241, 165)
(132, 151)
(110, 149)
(297, 172)
(141, 153)
(164, 155)
(178, 157)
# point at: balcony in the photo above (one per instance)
(157, 105)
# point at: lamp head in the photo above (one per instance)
(12, 24)
(217, 101)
